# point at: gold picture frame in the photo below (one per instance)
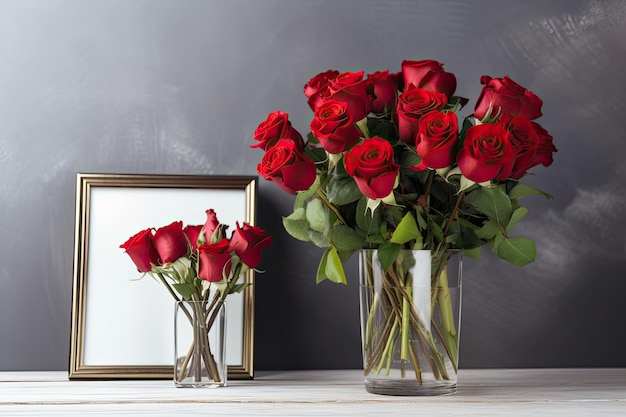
(122, 326)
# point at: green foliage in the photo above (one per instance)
(297, 225)
(331, 268)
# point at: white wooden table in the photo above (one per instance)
(540, 392)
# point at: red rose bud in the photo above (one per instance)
(371, 165)
(214, 261)
(248, 241)
(193, 233)
(487, 153)
(333, 125)
(277, 126)
(438, 134)
(413, 104)
(141, 250)
(171, 242)
(506, 96)
(428, 75)
(383, 91)
(213, 230)
(288, 167)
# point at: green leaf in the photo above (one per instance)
(238, 288)
(318, 239)
(406, 230)
(420, 213)
(493, 202)
(489, 230)
(185, 290)
(342, 189)
(297, 225)
(387, 254)
(437, 233)
(518, 215)
(331, 268)
(524, 190)
(517, 250)
(410, 159)
(316, 215)
(303, 196)
(369, 222)
(473, 253)
(345, 238)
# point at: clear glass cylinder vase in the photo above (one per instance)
(199, 344)
(410, 322)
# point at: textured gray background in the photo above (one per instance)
(154, 86)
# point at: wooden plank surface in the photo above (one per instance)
(536, 392)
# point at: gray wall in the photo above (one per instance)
(155, 86)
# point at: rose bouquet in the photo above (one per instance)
(200, 265)
(388, 165)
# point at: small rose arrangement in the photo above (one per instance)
(199, 263)
(389, 164)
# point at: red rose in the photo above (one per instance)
(170, 242)
(487, 153)
(428, 75)
(248, 241)
(372, 167)
(288, 167)
(334, 127)
(413, 104)
(383, 92)
(506, 96)
(436, 141)
(318, 84)
(141, 250)
(277, 126)
(541, 153)
(545, 147)
(349, 87)
(214, 261)
(523, 141)
(193, 233)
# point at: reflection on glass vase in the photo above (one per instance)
(410, 322)
(199, 344)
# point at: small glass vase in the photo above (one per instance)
(199, 344)
(410, 322)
